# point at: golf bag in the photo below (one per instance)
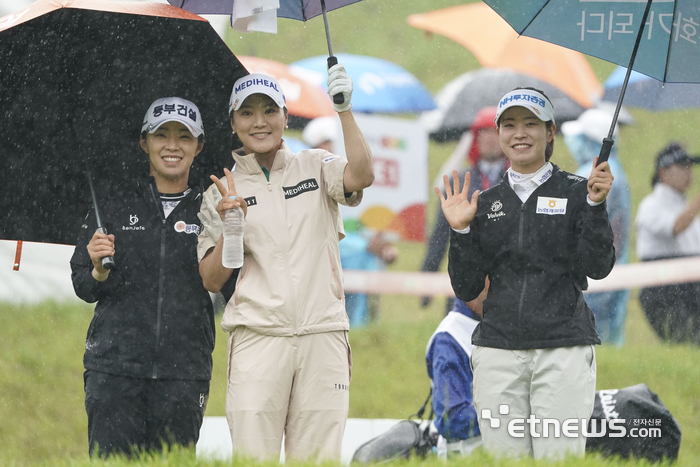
(633, 422)
(406, 438)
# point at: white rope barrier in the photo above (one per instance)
(624, 276)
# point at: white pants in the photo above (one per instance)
(549, 385)
(297, 386)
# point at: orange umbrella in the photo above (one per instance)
(303, 99)
(496, 45)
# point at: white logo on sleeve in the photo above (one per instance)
(551, 206)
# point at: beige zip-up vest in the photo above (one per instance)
(291, 281)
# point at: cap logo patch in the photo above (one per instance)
(256, 82)
(173, 109)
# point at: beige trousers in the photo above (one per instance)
(547, 386)
(297, 386)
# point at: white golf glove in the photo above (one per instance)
(215, 226)
(339, 82)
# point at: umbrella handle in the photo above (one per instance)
(605, 150)
(107, 261)
(332, 61)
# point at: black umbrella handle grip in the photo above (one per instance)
(605, 150)
(107, 261)
(332, 61)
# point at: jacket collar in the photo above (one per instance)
(248, 165)
(505, 178)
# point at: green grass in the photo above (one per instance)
(42, 416)
(41, 391)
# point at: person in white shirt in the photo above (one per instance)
(668, 227)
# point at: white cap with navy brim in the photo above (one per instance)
(173, 109)
(533, 101)
(255, 83)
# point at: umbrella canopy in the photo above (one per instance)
(668, 50)
(648, 93)
(300, 10)
(496, 45)
(379, 86)
(461, 99)
(77, 79)
(261, 15)
(659, 39)
(303, 99)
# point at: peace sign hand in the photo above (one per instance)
(230, 199)
(457, 208)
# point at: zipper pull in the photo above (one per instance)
(269, 187)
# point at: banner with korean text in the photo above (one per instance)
(396, 202)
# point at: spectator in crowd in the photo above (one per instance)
(364, 250)
(447, 358)
(361, 249)
(481, 149)
(584, 137)
(668, 227)
(320, 132)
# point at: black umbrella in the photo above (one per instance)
(77, 78)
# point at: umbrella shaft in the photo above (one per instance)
(608, 142)
(629, 68)
(328, 32)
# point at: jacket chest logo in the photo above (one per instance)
(496, 211)
(303, 186)
(182, 226)
(551, 206)
(133, 221)
(251, 201)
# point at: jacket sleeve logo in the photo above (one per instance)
(551, 206)
(302, 187)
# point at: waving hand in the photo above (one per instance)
(457, 208)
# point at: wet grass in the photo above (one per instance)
(42, 417)
(41, 391)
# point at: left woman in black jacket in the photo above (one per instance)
(148, 349)
(536, 236)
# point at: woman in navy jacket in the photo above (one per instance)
(148, 352)
(536, 235)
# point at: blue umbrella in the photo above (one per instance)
(380, 86)
(666, 35)
(647, 93)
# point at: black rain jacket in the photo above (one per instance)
(536, 263)
(153, 317)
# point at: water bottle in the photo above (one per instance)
(233, 239)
